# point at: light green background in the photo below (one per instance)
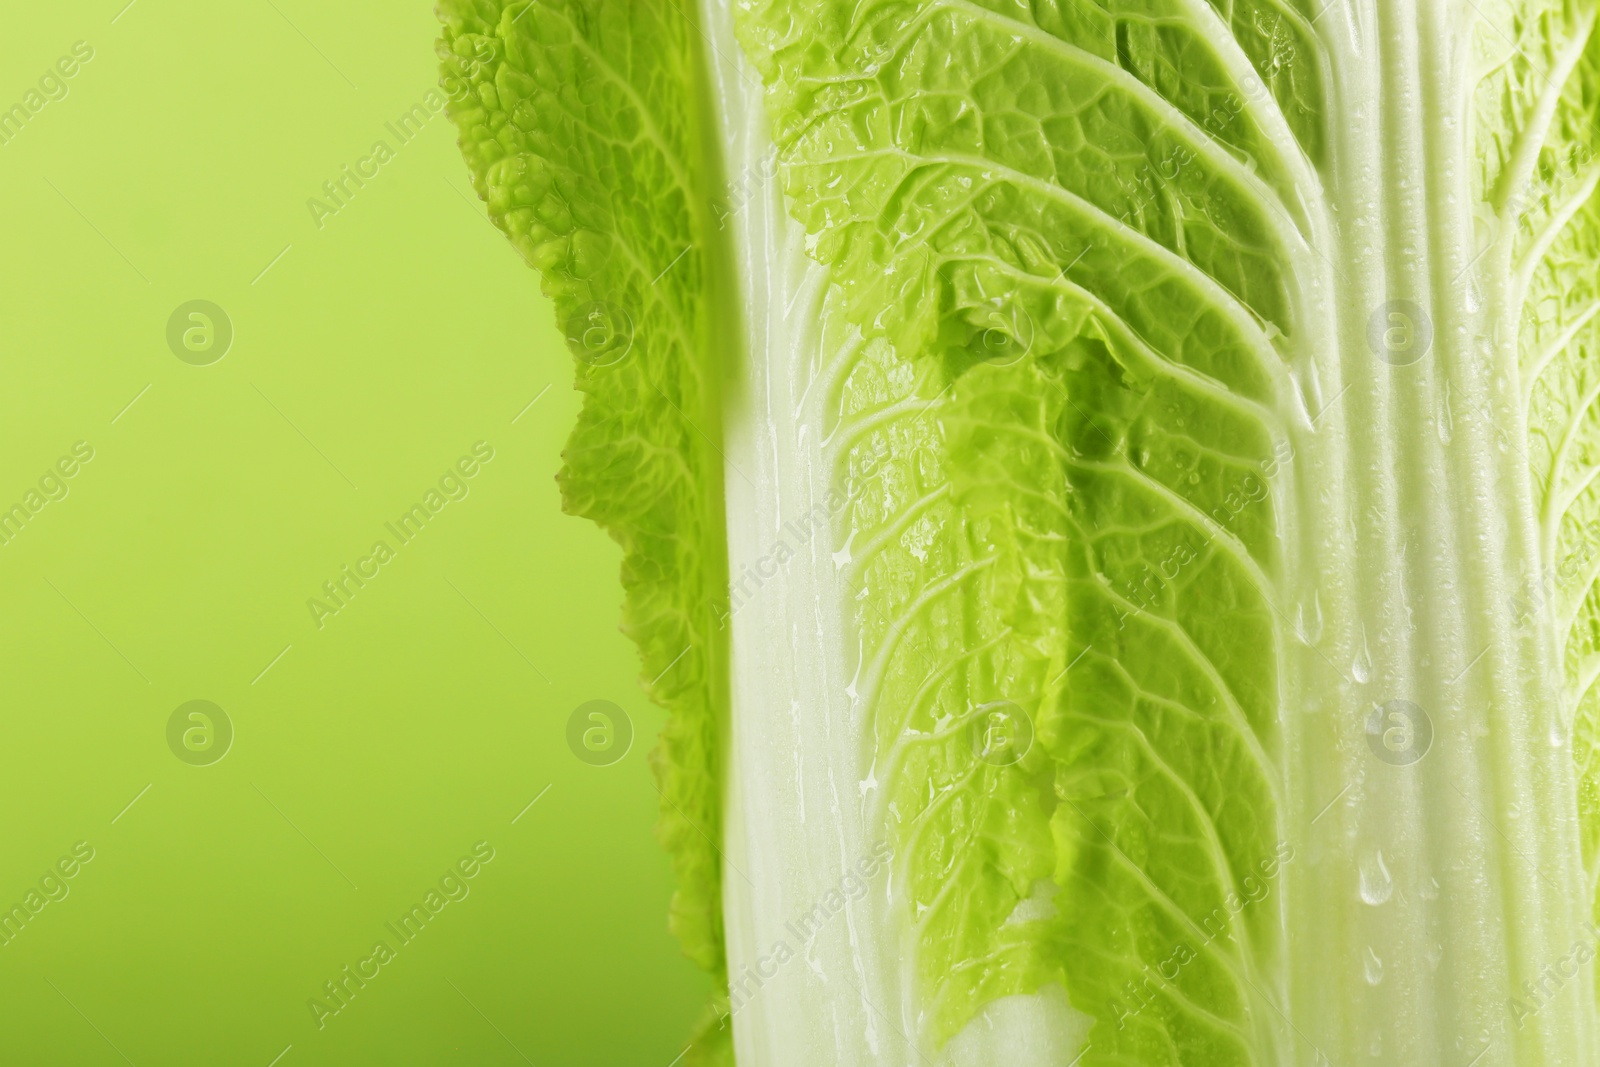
(422, 718)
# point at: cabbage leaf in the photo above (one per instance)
(1110, 498)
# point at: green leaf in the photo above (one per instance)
(585, 130)
(1153, 275)
(1163, 507)
(1094, 273)
(1546, 236)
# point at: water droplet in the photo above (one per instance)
(1308, 620)
(1376, 884)
(1306, 395)
(1373, 967)
(1558, 735)
(1361, 667)
(1446, 420)
(842, 558)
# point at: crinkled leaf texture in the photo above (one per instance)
(1200, 400)
(581, 122)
